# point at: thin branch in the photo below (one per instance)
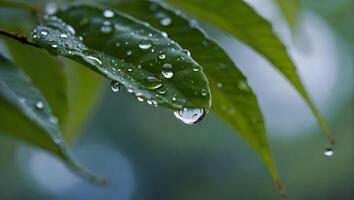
(18, 37)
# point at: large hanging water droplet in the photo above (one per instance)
(167, 70)
(115, 86)
(190, 116)
(152, 82)
(39, 105)
(108, 13)
(145, 44)
(328, 151)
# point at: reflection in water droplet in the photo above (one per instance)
(152, 82)
(186, 51)
(166, 21)
(190, 116)
(145, 44)
(108, 13)
(328, 151)
(115, 86)
(40, 105)
(167, 70)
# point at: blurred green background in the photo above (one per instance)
(148, 154)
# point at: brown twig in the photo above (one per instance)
(18, 37)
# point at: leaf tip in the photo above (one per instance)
(280, 187)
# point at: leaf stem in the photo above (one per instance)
(21, 38)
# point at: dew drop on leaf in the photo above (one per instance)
(115, 86)
(145, 44)
(167, 70)
(44, 33)
(162, 56)
(63, 35)
(152, 82)
(166, 21)
(328, 151)
(108, 14)
(39, 105)
(190, 116)
(219, 85)
(204, 92)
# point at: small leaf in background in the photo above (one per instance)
(144, 60)
(233, 99)
(27, 116)
(240, 20)
(290, 10)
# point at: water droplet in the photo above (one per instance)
(152, 82)
(130, 69)
(145, 44)
(167, 70)
(70, 29)
(108, 13)
(196, 69)
(51, 8)
(106, 28)
(44, 32)
(164, 34)
(186, 51)
(166, 21)
(22, 100)
(54, 46)
(161, 90)
(328, 151)
(93, 60)
(190, 116)
(63, 35)
(162, 56)
(115, 86)
(219, 85)
(149, 102)
(204, 92)
(139, 97)
(129, 53)
(40, 105)
(174, 98)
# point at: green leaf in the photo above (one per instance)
(131, 52)
(26, 115)
(46, 73)
(233, 100)
(290, 10)
(241, 21)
